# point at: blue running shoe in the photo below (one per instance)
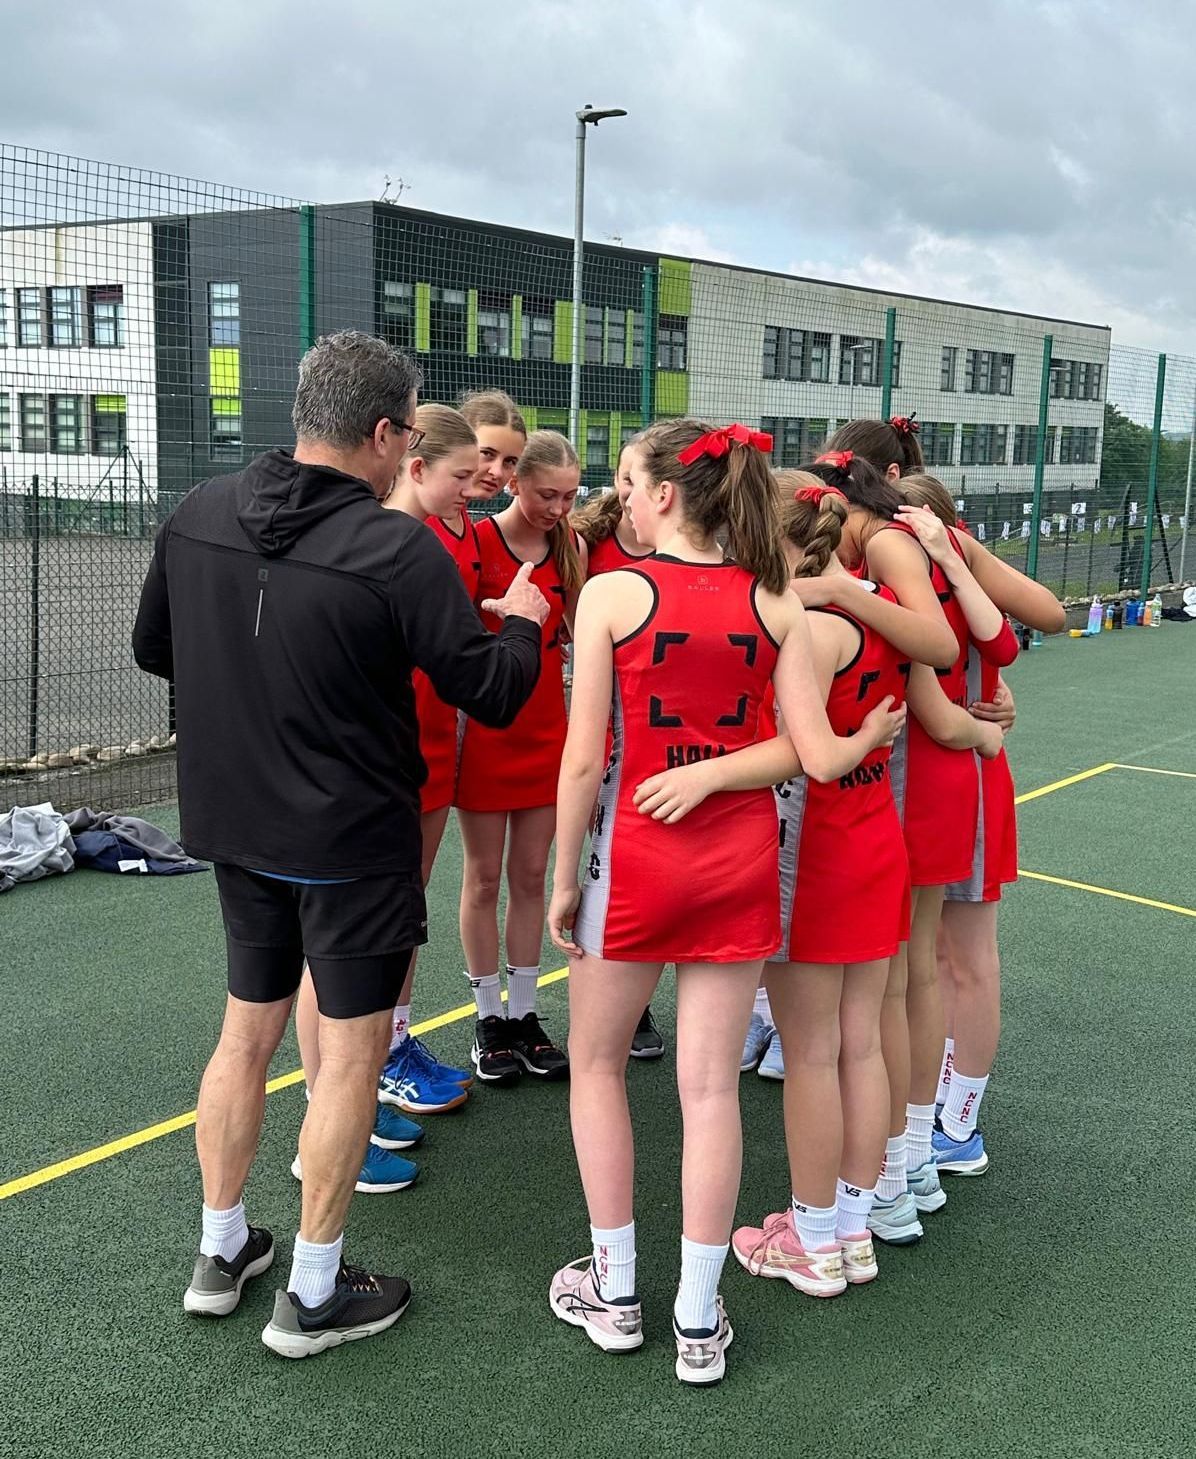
(393, 1131)
(407, 1087)
(959, 1157)
(926, 1188)
(382, 1171)
(420, 1056)
(759, 1034)
(895, 1222)
(772, 1065)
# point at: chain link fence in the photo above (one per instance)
(150, 328)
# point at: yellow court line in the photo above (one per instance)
(1083, 886)
(185, 1121)
(1063, 784)
(1154, 770)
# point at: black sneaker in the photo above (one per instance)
(647, 1043)
(535, 1050)
(362, 1304)
(492, 1054)
(216, 1283)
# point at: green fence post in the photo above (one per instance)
(886, 367)
(307, 277)
(1044, 402)
(648, 363)
(1152, 485)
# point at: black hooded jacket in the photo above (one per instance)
(289, 609)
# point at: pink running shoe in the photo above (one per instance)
(859, 1259)
(701, 1354)
(615, 1327)
(774, 1251)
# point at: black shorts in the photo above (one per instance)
(357, 938)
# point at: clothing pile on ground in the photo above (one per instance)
(38, 841)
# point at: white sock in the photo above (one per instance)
(314, 1269)
(892, 1180)
(224, 1232)
(945, 1072)
(614, 1261)
(853, 1202)
(521, 991)
(962, 1109)
(701, 1269)
(486, 994)
(814, 1225)
(761, 1005)
(400, 1026)
(919, 1124)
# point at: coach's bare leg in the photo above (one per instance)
(307, 1029)
(232, 1097)
(340, 1116)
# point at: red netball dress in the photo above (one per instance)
(438, 720)
(844, 870)
(994, 859)
(516, 768)
(610, 555)
(689, 685)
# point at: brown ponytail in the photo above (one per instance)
(596, 520)
(882, 443)
(734, 492)
(551, 449)
(813, 526)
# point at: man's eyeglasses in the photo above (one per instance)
(414, 435)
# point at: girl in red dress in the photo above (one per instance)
(506, 783)
(681, 650)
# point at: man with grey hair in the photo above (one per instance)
(289, 609)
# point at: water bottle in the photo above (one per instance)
(1095, 617)
(1132, 609)
(1146, 614)
(1108, 616)
(1118, 615)
(1156, 611)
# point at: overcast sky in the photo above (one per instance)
(1036, 156)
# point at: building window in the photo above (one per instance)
(1077, 446)
(860, 360)
(66, 317)
(29, 317)
(796, 354)
(1076, 380)
(106, 316)
(5, 421)
(494, 324)
(672, 337)
(224, 428)
(982, 445)
(988, 372)
(108, 425)
(937, 439)
(1025, 446)
(950, 359)
(597, 445)
(448, 320)
(627, 435)
(397, 325)
(3, 318)
(592, 344)
(33, 422)
(66, 424)
(795, 440)
(537, 329)
(637, 340)
(616, 337)
(224, 316)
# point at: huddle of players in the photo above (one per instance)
(745, 648)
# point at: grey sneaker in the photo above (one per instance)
(216, 1283)
(615, 1327)
(701, 1352)
(361, 1305)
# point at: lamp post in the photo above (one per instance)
(588, 116)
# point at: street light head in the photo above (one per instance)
(594, 115)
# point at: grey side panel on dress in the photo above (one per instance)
(971, 889)
(791, 813)
(590, 931)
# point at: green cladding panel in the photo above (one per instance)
(672, 392)
(676, 286)
(423, 317)
(562, 332)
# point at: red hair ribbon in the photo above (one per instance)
(840, 460)
(905, 425)
(718, 442)
(815, 494)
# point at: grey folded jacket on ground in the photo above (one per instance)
(35, 841)
(145, 837)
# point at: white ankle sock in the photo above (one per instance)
(314, 1269)
(814, 1225)
(962, 1109)
(919, 1124)
(761, 1005)
(486, 994)
(521, 991)
(224, 1232)
(853, 1203)
(945, 1071)
(892, 1180)
(701, 1268)
(614, 1261)
(400, 1025)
